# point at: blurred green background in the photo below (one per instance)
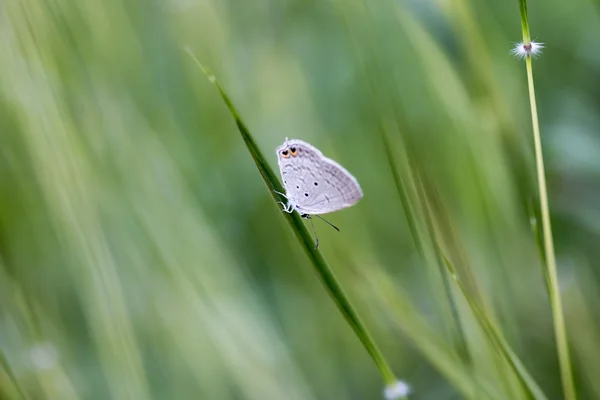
(142, 257)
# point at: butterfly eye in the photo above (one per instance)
(294, 151)
(285, 154)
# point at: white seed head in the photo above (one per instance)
(522, 50)
(397, 390)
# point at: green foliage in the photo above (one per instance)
(142, 257)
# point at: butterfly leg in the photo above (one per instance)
(306, 216)
(288, 208)
(279, 193)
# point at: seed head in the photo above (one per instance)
(397, 390)
(523, 50)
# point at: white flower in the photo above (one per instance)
(522, 50)
(397, 390)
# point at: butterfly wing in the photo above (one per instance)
(336, 189)
(315, 183)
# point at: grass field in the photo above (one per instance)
(143, 257)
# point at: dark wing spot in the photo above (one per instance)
(297, 187)
(316, 183)
(306, 194)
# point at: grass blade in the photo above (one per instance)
(485, 322)
(428, 340)
(322, 269)
(550, 260)
(495, 337)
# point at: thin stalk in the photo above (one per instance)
(322, 269)
(554, 290)
(445, 273)
(551, 270)
(401, 188)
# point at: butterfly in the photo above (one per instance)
(314, 184)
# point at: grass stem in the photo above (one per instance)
(552, 275)
(322, 268)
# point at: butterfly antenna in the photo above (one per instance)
(315, 232)
(332, 225)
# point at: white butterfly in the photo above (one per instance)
(314, 184)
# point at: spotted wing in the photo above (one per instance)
(317, 184)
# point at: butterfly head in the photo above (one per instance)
(288, 149)
(293, 148)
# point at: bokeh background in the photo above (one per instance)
(142, 257)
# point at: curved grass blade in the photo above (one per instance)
(529, 384)
(491, 331)
(322, 269)
(428, 341)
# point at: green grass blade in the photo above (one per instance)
(529, 384)
(560, 329)
(429, 341)
(322, 269)
(459, 333)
